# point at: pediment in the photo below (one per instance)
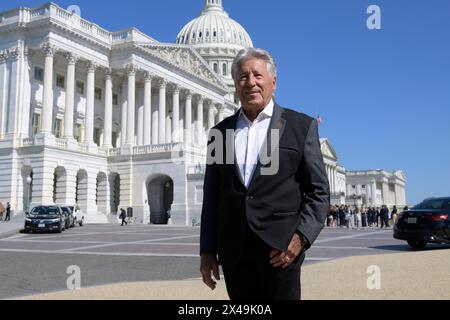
(328, 150)
(185, 59)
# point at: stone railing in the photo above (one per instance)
(82, 147)
(22, 16)
(28, 142)
(114, 152)
(158, 148)
(61, 143)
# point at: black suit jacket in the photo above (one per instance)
(296, 198)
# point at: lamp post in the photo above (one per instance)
(27, 204)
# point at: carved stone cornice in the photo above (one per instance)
(162, 83)
(148, 76)
(15, 53)
(71, 57)
(48, 49)
(184, 59)
(187, 94)
(91, 66)
(131, 69)
(3, 56)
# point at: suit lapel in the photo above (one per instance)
(276, 123)
(235, 166)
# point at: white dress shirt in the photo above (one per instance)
(248, 141)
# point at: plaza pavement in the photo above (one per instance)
(404, 276)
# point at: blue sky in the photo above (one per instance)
(384, 95)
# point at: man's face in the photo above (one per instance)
(255, 85)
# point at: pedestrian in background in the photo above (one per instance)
(123, 216)
(8, 212)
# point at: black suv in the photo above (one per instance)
(45, 218)
(428, 222)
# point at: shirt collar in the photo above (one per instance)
(266, 113)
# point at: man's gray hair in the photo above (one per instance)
(249, 53)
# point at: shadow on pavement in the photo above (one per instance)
(406, 248)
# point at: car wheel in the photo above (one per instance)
(81, 222)
(417, 244)
(60, 229)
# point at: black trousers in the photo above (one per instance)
(254, 278)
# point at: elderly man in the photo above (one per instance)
(257, 225)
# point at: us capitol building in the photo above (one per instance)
(112, 120)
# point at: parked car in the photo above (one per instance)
(428, 222)
(45, 218)
(70, 218)
(78, 214)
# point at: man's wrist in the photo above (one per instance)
(303, 240)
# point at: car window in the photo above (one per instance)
(45, 211)
(434, 204)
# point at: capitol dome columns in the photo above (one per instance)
(162, 112)
(147, 108)
(199, 121)
(131, 72)
(107, 142)
(176, 114)
(188, 118)
(70, 95)
(47, 104)
(90, 96)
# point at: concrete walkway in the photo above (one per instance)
(10, 228)
(412, 275)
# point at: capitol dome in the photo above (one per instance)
(218, 39)
(214, 27)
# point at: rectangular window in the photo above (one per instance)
(38, 74)
(363, 186)
(114, 139)
(80, 87)
(60, 81)
(36, 124)
(97, 133)
(79, 132)
(354, 187)
(115, 99)
(57, 128)
(98, 94)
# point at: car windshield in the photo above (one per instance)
(71, 208)
(65, 210)
(42, 211)
(439, 204)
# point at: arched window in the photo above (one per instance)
(224, 69)
(215, 67)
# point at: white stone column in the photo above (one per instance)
(70, 96)
(47, 101)
(221, 113)
(333, 180)
(169, 127)
(211, 115)
(199, 121)
(3, 100)
(188, 119)
(176, 114)
(90, 99)
(147, 109)
(374, 193)
(131, 70)
(123, 130)
(140, 118)
(155, 125)
(385, 190)
(107, 141)
(162, 112)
